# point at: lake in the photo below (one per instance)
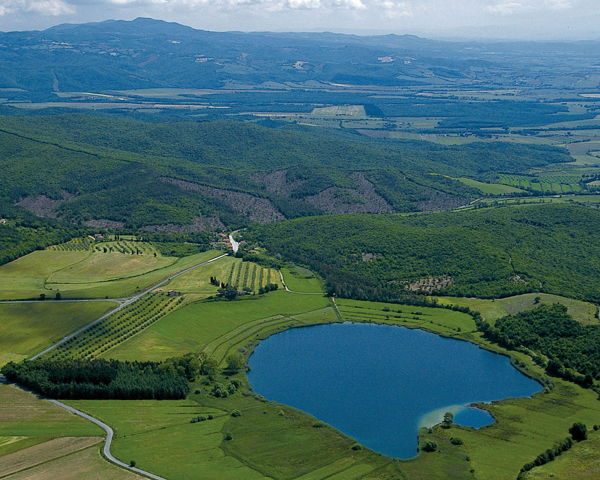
(380, 383)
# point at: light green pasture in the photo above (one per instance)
(191, 328)
(28, 328)
(493, 309)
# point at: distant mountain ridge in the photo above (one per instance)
(146, 53)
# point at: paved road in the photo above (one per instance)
(126, 303)
(234, 245)
(109, 437)
(104, 426)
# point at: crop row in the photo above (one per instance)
(118, 327)
(74, 245)
(125, 247)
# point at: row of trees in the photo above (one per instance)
(106, 379)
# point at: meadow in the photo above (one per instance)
(491, 310)
(41, 440)
(89, 272)
(160, 436)
(299, 279)
(523, 427)
(28, 328)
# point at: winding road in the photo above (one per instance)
(109, 437)
(126, 303)
(109, 431)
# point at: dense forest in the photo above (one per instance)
(189, 176)
(105, 379)
(549, 330)
(485, 253)
(22, 233)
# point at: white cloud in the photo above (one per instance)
(41, 7)
(508, 8)
(558, 4)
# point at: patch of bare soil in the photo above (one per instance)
(86, 464)
(42, 206)
(276, 182)
(103, 223)
(44, 452)
(255, 208)
(199, 224)
(440, 201)
(363, 199)
(430, 284)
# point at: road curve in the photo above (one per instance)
(124, 304)
(109, 437)
(104, 426)
(292, 291)
(234, 245)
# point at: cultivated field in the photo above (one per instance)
(490, 188)
(194, 327)
(89, 273)
(28, 328)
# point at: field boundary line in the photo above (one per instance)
(109, 431)
(109, 437)
(125, 304)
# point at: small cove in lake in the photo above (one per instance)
(380, 383)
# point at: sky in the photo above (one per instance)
(493, 19)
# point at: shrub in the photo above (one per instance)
(456, 441)
(429, 446)
(319, 424)
(357, 446)
(236, 413)
(578, 431)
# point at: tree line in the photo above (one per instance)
(106, 379)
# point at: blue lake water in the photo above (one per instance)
(380, 383)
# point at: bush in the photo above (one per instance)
(357, 446)
(456, 441)
(429, 446)
(578, 431)
(236, 413)
(319, 424)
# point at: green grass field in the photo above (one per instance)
(26, 277)
(103, 267)
(193, 327)
(39, 440)
(23, 414)
(268, 440)
(493, 309)
(581, 462)
(87, 273)
(299, 279)
(127, 286)
(28, 328)
(490, 188)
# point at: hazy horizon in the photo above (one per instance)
(470, 19)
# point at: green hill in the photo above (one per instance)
(186, 176)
